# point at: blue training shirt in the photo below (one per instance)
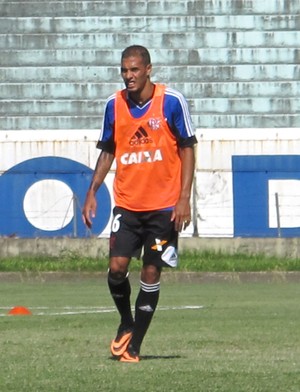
(176, 112)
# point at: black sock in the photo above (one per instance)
(144, 309)
(120, 291)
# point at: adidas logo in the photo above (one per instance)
(140, 137)
(118, 295)
(146, 308)
(170, 256)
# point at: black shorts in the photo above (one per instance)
(150, 231)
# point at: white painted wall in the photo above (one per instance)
(213, 178)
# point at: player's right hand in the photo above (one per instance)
(89, 209)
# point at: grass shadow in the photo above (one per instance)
(152, 357)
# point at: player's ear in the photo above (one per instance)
(149, 69)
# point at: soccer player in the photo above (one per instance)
(147, 129)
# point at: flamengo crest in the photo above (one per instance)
(154, 123)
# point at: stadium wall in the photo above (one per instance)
(98, 247)
(247, 184)
(237, 63)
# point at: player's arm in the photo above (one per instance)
(179, 118)
(103, 166)
(182, 211)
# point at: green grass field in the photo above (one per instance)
(189, 261)
(205, 336)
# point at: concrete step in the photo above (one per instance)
(187, 40)
(92, 91)
(174, 74)
(237, 61)
(146, 23)
(204, 105)
(247, 121)
(150, 7)
(50, 122)
(245, 105)
(50, 91)
(210, 120)
(94, 57)
(51, 108)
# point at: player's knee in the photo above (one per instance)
(150, 274)
(116, 278)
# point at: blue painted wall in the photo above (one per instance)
(251, 197)
(16, 181)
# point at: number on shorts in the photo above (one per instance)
(116, 223)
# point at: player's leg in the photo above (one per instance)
(120, 290)
(145, 307)
(160, 249)
(123, 245)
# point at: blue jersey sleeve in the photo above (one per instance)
(176, 112)
(106, 139)
(178, 116)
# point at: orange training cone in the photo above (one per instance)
(19, 311)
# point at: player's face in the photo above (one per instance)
(135, 74)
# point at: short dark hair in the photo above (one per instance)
(137, 50)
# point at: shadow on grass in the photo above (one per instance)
(149, 357)
(152, 357)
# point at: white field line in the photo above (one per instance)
(72, 310)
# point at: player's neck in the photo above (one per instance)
(144, 96)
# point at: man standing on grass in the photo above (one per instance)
(147, 129)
